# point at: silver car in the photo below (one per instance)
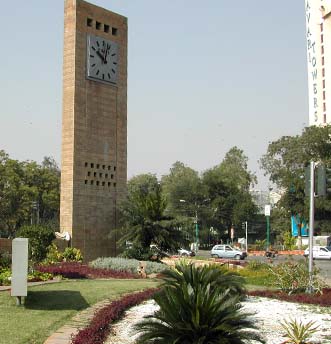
(228, 252)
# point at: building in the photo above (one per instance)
(94, 126)
(318, 37)
(263, 198)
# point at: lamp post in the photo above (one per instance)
(267, 215)
(196, 246)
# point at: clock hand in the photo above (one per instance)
(105, 56)
(100, 55)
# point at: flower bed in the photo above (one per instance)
(78, 270)
(97, 331)
(323, 299)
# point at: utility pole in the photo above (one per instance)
(311, 225)
(196, 231)
(267, 215)
(246, 237)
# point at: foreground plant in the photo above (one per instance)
(298, 332)
(293, 277)
(198, 305)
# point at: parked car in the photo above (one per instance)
(319, 252)
(227, 251)
(186, 253)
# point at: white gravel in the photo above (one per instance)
(268, 314)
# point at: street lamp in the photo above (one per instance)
(196, 226)
(196, 223)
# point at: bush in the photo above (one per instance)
(123, 264)
(37, 276)
(5, 260)
(5, 276)
(40, 238)
(72, 254)
(77, 270)
(323, 299)
(293, 277)
(298, 332)
(198, 305)
(137, 252)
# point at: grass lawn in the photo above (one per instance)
(50, 306)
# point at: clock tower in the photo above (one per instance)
(94, 126)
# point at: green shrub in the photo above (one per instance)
(5, 260)
(261, 244)
(72, 254)
(137, 252)
(40, 238)
(53, 255)
(298, 332)
(130, 265)
(257, 275)
(198, 305)
(36, 276)
(289, 241)
(256, 265)
(5, 276)
(293, 277)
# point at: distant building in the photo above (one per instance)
(318, 38)
(262, 198)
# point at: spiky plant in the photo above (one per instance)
(298, 332)
(198, 305)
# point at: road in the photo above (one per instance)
(323, 265)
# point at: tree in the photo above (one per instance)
(144, 218)
(227, 187)
(285, 163)
(40, 237)
(28, 191)
(182, 183)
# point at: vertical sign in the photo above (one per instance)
(313, 20)
(19, 268)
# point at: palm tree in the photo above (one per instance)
(198, 305)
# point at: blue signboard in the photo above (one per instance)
(295, 223)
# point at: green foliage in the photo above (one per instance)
(256, 265)
(72, 254)
(198, 305)
(28, 191)
(289, 241)
(293, 277)
(298, 332)
(40, 238)
(5, 276)
(285, 162)
(257, 273)
(53, 255)
(39, 276)
(5, 260)
(261, 244)
(130, 265)
(144, 218)
(227, 186)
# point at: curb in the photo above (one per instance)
(65, 333)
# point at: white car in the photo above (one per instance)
(227, 251)
(319, 252)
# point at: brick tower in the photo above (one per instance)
(94, 126)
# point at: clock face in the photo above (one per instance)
(102, 59)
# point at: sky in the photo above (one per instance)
(203, 77)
